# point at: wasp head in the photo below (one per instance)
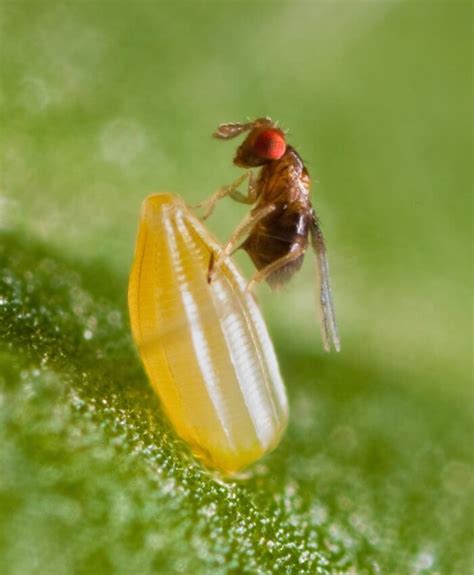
(265, 142)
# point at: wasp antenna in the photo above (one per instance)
(231, 130)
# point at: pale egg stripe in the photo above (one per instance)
(251, 313)
(201, 348)
(257, 330)
(156, 362)
(270, 357)
(193, 324)
(222, 302)
(248, 372)
(257, 344)
(251, 375)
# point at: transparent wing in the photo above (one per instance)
(328, 316)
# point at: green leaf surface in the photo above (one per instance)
(102, 103)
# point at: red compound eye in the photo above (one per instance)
(270, 144)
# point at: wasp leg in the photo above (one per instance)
(231, 191)
(232, 245)
(252, 191)
(263, 274)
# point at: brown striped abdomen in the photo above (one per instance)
(276, 236)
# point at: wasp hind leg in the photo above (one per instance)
(232, 245)
(263, 274)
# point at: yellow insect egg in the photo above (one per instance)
(205, 348)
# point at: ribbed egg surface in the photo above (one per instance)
(205, 347)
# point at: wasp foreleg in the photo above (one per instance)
(231, 191)
(252, 192)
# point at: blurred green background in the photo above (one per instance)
(104, 102)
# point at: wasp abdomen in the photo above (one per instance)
(274, 237)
